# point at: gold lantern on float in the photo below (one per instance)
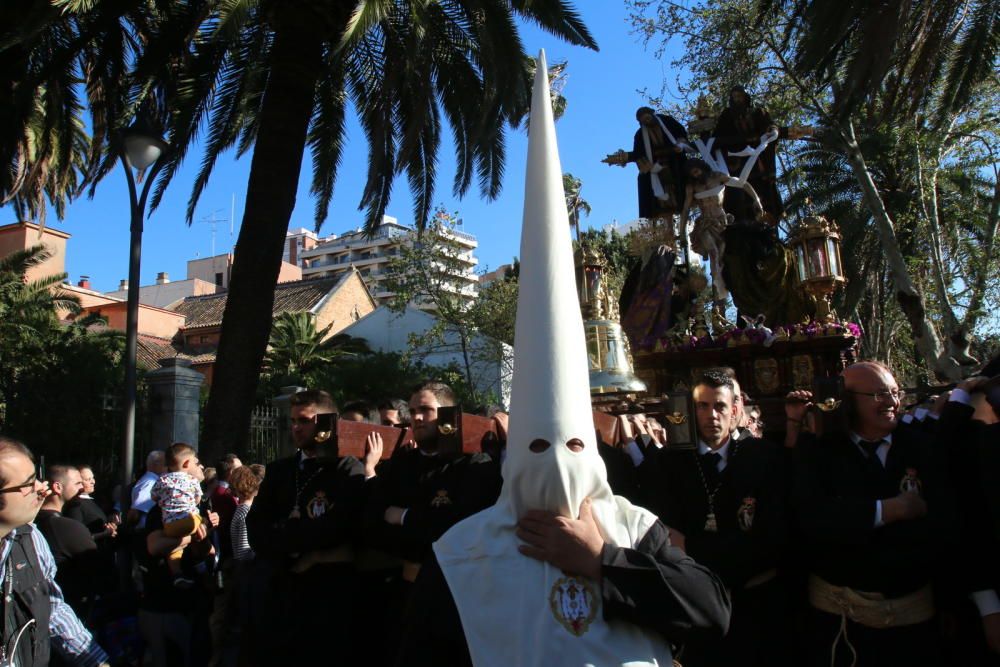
(819, 269)
(607, 349)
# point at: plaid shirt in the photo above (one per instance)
(69, 637)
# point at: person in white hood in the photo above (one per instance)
(560, 571)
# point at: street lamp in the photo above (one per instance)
(140, 148)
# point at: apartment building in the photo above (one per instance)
(371, 256)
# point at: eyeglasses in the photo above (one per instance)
(30, 484)
(882, 396)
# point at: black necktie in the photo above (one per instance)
(710, 465)
(871, 448)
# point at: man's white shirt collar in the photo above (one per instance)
(722, 451)
(883, 450)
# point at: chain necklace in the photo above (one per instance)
(711, 525)
(296, 513)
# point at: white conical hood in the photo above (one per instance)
(516, 610)
(550, 395)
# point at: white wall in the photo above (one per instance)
(387, 331)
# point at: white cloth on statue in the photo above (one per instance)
(658, 191)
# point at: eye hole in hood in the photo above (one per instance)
(539, 445)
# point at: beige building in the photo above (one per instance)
(24, 235)
(371, 256)
(298, 241)
(339, 301)
(217, 270)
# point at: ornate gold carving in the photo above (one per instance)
(765, 375)
(802, 371)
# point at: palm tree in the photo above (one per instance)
(282, 77)
(279, 77)
(575, 204)
(59, 61)
(27, 313)
(924, 69)
(898, 42)
(297, 347)
(31, 306)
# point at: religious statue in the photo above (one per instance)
(657, 150)
(704, 119)
(760, 272)
(648, 297)
(742, 125)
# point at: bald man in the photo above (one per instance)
(877, 515)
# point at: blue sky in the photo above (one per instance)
(602, 89)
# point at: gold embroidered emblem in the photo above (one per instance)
(441, 499)
(574, 604)
(318, 506)
(745, 514)
(911, 482)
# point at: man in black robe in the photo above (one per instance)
(656, 152)
(878, 518)
(309, 503)
(969, 427)
(726, 507)
(741, 124)
(420, 493)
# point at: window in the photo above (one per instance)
(218, 279)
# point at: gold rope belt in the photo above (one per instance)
(873, 610)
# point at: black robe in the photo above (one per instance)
(734, 131)
(654, 586)
(835, 491)
(750, 507)
(306, 612)
(671, 177)
(436, 491)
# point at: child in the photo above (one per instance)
(178, 492)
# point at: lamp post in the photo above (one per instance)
(816, 244)
(141, 148)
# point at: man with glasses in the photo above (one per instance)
(877, 515)
(37, 618)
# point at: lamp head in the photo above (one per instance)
(143, 146)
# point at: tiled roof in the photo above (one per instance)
(296, 296)
(150, 349)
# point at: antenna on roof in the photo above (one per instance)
(213, 222)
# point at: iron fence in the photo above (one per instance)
(263, 442)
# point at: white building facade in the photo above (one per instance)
(371, 256)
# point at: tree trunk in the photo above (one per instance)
(910, 300)
(274, 177)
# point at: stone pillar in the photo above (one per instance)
(174, 402)
(283, 403)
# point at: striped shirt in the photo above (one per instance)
(69, 637)
(238, 533)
